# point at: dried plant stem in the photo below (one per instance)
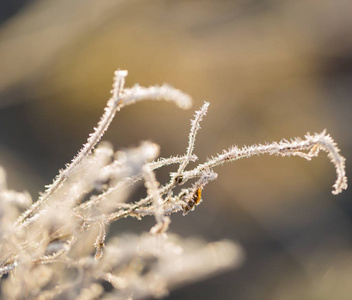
(129, 181)
(195, 126)
(6, 269)
(56, 233)
(296, 147)
(120, 98)
(94, 138)
(100, 240)
(143, 202)
(152, 186)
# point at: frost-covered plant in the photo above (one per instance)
(56, 248)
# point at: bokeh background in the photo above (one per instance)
(271, 69)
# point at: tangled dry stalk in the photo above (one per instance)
(56, 248)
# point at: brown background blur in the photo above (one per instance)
(270, 69)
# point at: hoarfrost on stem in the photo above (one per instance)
(63, 234)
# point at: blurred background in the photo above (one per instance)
(271, 69)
